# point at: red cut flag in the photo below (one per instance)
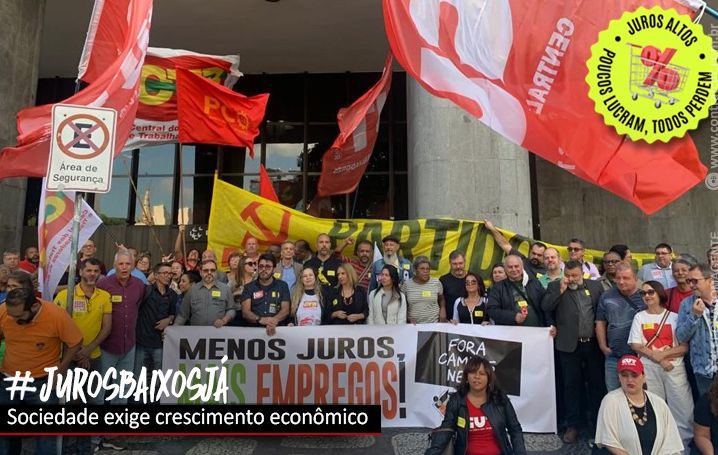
(343, 165)
(210, 113)
(116, 87)
(520, 69)
(266, 189)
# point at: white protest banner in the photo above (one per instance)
(81, 149)
(407, 369)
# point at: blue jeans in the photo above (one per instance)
(147, 357)
(46, 445)
(119, 362)
(611, 373)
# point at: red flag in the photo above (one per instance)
(266, 189)
(213, 114)
(343, 165)
(116, 87)
(521, 70)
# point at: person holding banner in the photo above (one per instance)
(208, 302)
(472, 308)
(364, 252)
(480, 416)
(454, 282)
(634, 421)
(387, 304)
(350, 305)
(424, 294)
(534, 264)
(308, 301)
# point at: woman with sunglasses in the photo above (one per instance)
(472, 308)
(246, 272)
(653, 337)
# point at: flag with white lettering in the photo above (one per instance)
(520, 69)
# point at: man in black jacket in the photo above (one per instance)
(513, 302)
(570, 304)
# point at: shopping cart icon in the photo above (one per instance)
(655, 80)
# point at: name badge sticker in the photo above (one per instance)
(79, 306)
(258, 295)
(426, 293)
(216, 293)
(116, 299)
(331, 273)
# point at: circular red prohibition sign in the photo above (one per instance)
(82, 136)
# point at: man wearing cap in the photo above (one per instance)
(391, 257)
(633, 420)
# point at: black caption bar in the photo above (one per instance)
(197, 420)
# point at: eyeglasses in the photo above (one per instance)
(266, 266)
(574, 249)
(650, 292)
(612, 261)
(164, 273)
(250, 263)
(209, 270)
(692, 281)
(469, 282)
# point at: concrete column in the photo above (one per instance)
(21, 25)
(460, 168)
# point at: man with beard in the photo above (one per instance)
(513, 303)
(614, 316)
(265, 301)
(570, 304)
(698, 325)
(554, 267)
(682, 290)
(38, 335)
(364, 252)
(208, 302)
(533, 264)
(324, 262)
(208, 255)
(31, 261)
(391, 257)
(453, 282)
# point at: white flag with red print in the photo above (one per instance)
(114, 52)
(519, 66)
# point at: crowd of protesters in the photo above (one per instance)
(617, 330)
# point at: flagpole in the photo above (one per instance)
(181, 219)
(72, 270)
(712, 12)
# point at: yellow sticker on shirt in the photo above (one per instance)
(331, 273)
(588, 293)
(522, 303)
(426, 293)
(277, 275)
(586, 275)
(116, 299)
(335, 302)
(648, 326)
(460, 422)
(216, 293)
(478, 313)
(406, 266)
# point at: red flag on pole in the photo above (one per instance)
(343, 165)
(521, 69)
(115, 87)
(266, 189)
(213, 114)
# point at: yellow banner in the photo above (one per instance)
(237, 214)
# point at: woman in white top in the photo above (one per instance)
(307, 306)
(653, 337)
(632, 421)
(387, 304)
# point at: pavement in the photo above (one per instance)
(397, 441)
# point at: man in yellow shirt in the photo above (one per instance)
(91, 311)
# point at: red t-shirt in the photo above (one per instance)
(481, 439)
(675, 297)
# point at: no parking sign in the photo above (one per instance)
(81, 149)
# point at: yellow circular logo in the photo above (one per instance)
(652, 74)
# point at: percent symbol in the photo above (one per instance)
(665, 78)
